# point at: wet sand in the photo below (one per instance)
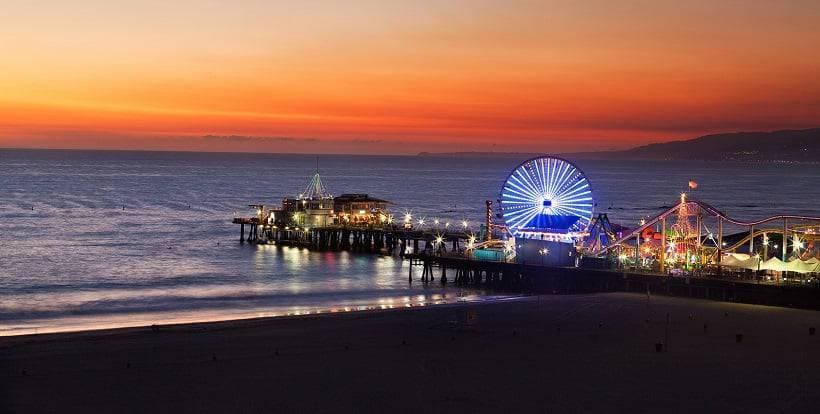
(549, 354)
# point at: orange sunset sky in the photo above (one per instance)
(402, 76)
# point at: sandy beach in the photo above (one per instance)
(539, 354)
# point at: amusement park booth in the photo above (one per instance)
(545, 252)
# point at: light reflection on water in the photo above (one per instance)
(105, 239)
(253, 309)
(280, 281)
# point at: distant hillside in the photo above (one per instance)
(776, 146)
(784, 146)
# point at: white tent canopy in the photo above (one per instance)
(738, 260)
(774, 264)
(743, 261)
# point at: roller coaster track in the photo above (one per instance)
(756, 233)
(711, 211)
(717, 213)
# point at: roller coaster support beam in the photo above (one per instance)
(720, 244)
(489, 220)
(785, 238)
(663, 244)
(699, 246)
(751, 240)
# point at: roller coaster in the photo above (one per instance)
(682, 235)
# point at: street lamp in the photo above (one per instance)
(621, 259)
(437, 243)
(543, 252)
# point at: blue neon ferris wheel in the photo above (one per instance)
(546, 195)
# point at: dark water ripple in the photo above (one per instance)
(70, 253)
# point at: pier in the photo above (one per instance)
(550, 242)
(439, 257)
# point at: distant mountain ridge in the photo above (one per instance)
(774, 146)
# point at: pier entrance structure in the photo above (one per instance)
(547, 204)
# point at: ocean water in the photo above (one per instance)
(95, 239)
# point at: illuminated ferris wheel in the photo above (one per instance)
(546, 195)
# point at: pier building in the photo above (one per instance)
(361, 209)
(314, 207)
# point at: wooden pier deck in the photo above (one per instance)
(388, 239)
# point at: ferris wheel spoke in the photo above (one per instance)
(530, 180)
(527, 202)
(523, 219)
(551, 176)
(522, 207)
(513, 186)
(519, 213)
(518, 205)
(542, 175)
(577, 186)
(579, 204)
(579, 194)
(515, 224)
(523, 183)
(571, 210)
(518, 187)
(518, 220)
(514, 193)
(561, 182)
(560, 176)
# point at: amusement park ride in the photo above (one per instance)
(546, 206)
(547, 209)
(680, 239)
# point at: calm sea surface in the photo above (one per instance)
(71, 257)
